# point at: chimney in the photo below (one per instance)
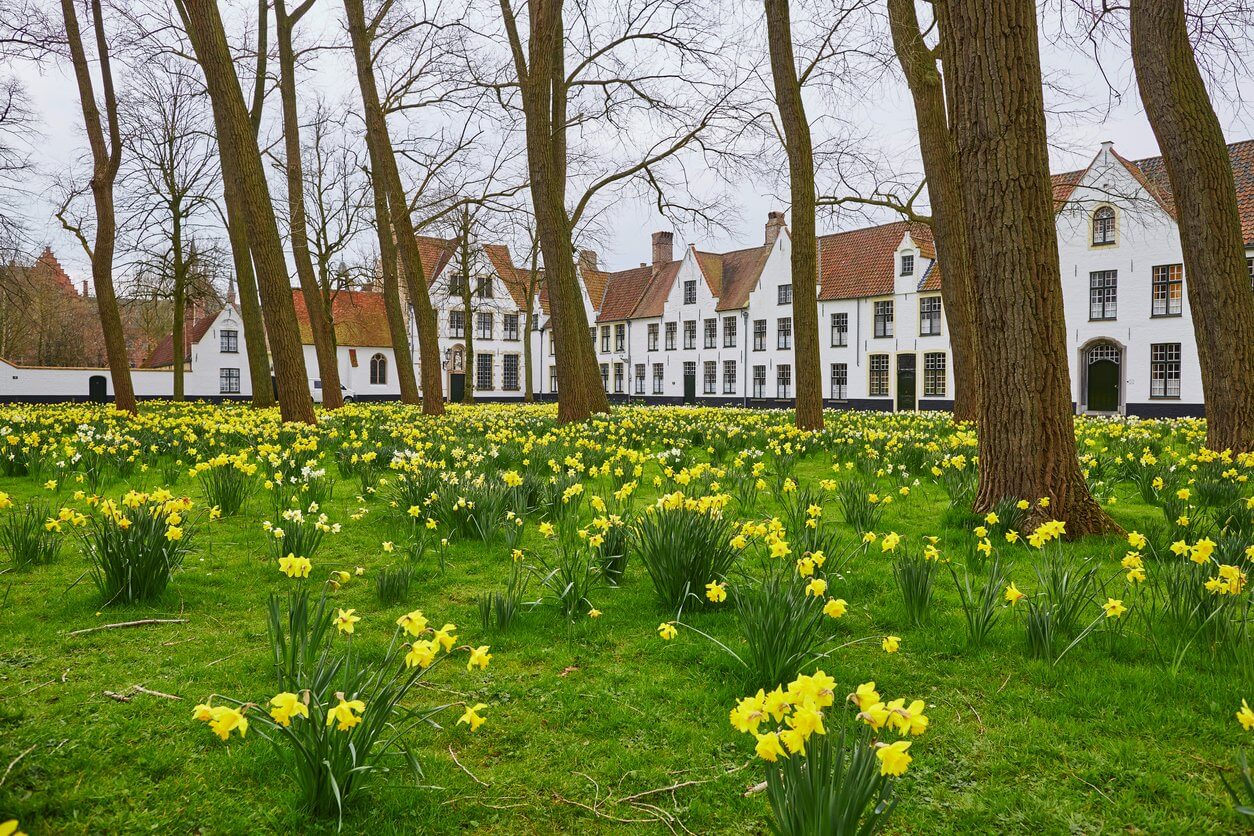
(588, 259)
(230, 291)
(663, 248)
(774, 223)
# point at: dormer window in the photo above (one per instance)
(907, 264)
(1103, 227)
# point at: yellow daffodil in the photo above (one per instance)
(471, 716)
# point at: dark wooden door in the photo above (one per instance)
(905, 382)
(97, 388)
(1103, 390)
(456, 387)
(690, 387)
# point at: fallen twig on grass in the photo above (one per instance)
(129, 694)
(140, 623)
(114, 695)
(453, 755)
(13, 763)
(755, 789)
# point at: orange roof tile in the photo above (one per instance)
(623, 292)
(435, 254)
(163, 354)
(860, 262)
(653, 300)
(360, 318)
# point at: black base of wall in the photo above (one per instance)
(1166, 409)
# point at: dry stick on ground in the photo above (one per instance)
(140, 623)
(13, 763)
(453, 755)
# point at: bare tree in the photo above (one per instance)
(106, 158)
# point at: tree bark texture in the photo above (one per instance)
(1202, 186)
(246, 284)
(1027, 435)
(392, 292)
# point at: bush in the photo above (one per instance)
(136, 547)
(684, 544)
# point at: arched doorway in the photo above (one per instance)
(97, 388)
(1103, 376)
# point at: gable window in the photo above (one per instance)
(511, 327)
(1168, 290)
(840, 381)
(1103, 294)
(907, 264)
(653, 329)
(840, 330)
(378, 370)
(934, 385)
(671, 328)
(228, 381)
(884, 318)
(783, 381)
(877, 382)
(783, 331)
(509, 372)
(710, 377)
(483, 372)
(457, 324)
(1103, 226)
(690, 292)
(640, 378)
(759, 335)
(929, 316)
(785, 294)
(1165, 370)
(605, 376)
(483, 326)
(759, 381)
(657, 378)
(729, 332)
(618, 378)
(620, 337)
(605, 339)
(711, 333)
(228, 342)
(456, 284)
(690, 334)
(483, 288)
(729, 377)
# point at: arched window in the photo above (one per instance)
(1103, 226)
(378, 370)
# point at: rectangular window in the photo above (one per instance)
(509, 373)
(511, 327)
(729, 332)
(229, 342)
(884, 318)
(620, 337)
(457, 324)
(618, 378)
(840, 330)
(710, 377)
(483, 373)
(1103, 294)
(690, 292)
(929, 316)
(1168, 294)
(785, 294)
(657, 378)
(907, 264)
(759, 381)
(671, 328)
(840, 381)
(605, 339)
(605, 376)
(455, 284)
(640, 378)
(552, 378)
(711, 333)
(653, 329)
(934, 385)
(759, 335)
(228, 381)
(877, 383)
(552, 344)
(1165, 370)
(592, 335)
(483, 326)
(783, 330)
(783, 381)
(483, 287)
(729, 377)
(690, 334)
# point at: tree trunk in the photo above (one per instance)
(1200, 171)
(320, 326)
(543, 82)
(797, 142)
(1027, 436)
(180, 301)
(529, 393)
(463, 256)
(246, 282)
(392, 291)
(398, 208)
(239, 150)
(106, 157)
(940, 167)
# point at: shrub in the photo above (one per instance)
(136, 547)
(684, 544)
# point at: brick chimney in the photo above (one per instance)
(663, 248)
(774, 223)
(588, 259)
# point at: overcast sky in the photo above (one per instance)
(884, 114)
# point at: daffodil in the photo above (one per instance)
(471, 716)
(667, 630)
(346, 713)
(890, 644)
(345, 621)
(479, 658)
(285, 706)
(893, 758)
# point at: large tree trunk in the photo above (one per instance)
(106, 157)
(529, 393)
(468, 307)
(940, 167)
(1027, 436)
(180, 300)
(246, 282)
(398, 208)
(797, 142)
(239, 150)
(320, 326)
(543, 80)
(1200, 171)
(392, 291)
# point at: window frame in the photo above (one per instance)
(690, 334)
(729, 332)
(783, 294)
(378, 369)
(759, 335)
(883, 313)
(729, 377)
(1106, 284)
(1163, 363)
(873, 388)
(783, 333)
(1164, 277)
(840, 329)
(652, 335)
(505, 372)
(228, 383)
(709, 378)
(934, 362)
(783, 381)
(932, 317)
(907, 264)
(840, 372)
(1104, 220)
(228, 341)
(480, 357)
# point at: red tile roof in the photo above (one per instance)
(738, 272)
(861, 262)
(623, 292)
(163, 354)
(653, 301)
(514, 278)
(435, 254)
(360, 318)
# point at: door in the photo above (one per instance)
(690, 387)
(456, 387)
(97, 388)
(905, 382)
(1103, 389)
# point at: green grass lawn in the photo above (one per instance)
(585, 719)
